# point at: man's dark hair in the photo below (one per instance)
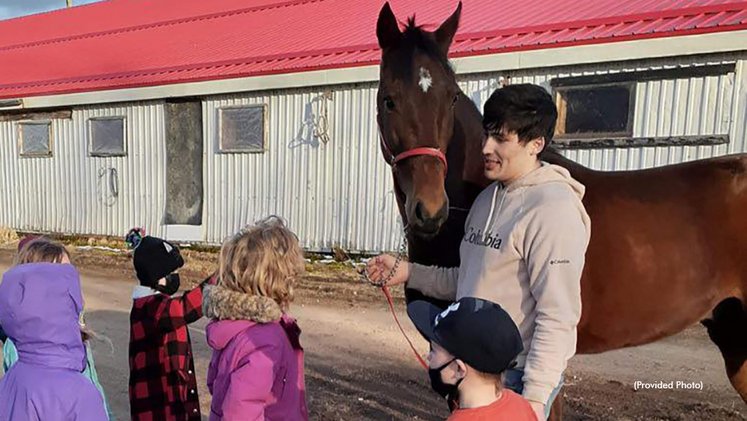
(525, 109)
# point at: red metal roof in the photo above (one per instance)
(130, 43)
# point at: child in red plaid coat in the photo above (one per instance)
(162, 371)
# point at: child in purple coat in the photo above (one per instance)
(257, 368)
(40, 306)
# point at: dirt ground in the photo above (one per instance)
(359, 366)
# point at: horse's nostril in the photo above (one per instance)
(419, 212)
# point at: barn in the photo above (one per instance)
(193, 118)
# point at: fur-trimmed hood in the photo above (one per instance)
(223, 304)
(274, 385)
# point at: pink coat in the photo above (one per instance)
(257, 368)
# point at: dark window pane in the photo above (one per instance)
(35, 139)
(107, 136)
(242, 129)
(597, 110)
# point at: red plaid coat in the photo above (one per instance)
(162, 371)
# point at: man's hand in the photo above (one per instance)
(380, 267)
(539, 410)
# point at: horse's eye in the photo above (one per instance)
(454, 101)
(388, 103)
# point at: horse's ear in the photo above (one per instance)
(445, 33)
(387, 28)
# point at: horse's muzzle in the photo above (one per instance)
(425, 223)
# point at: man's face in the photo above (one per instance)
(506, 159)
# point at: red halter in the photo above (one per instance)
(393, 160)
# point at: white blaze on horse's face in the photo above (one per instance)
(426, 81)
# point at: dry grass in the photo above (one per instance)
(7, 235)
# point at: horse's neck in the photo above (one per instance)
(468, 134)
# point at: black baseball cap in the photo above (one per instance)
(476, 331)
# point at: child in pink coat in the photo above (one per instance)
(257, 368)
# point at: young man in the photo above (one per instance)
(524, 243)
(473, 342)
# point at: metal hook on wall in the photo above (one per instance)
(112, 183)
(321, 126)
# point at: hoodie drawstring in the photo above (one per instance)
(492, 208)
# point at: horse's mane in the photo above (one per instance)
(416, 37)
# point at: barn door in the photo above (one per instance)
(184, 158)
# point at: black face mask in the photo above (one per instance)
(449, 391)
(172, 284)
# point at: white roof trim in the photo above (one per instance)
(583, 54)
(714, 43)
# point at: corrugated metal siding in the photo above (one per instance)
(333, 194)
(70, 192)
(676, 107)
(8, 177)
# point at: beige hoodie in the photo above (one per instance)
(524, 248)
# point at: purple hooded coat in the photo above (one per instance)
(40, 305)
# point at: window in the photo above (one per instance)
(242, 129)
(594, 111)
(35, 138)
(107, 136)
(598, 110)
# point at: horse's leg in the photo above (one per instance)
(556, 412)
(728, 330)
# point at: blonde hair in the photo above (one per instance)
(263, 259)
(496, 379)
(41, 250)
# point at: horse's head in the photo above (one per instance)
(415, 111)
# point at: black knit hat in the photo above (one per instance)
(154, 259)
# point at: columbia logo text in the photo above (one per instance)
(477, 238)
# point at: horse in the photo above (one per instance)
(668, 245)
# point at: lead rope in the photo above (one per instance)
(383, 285)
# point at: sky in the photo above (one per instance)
(14, 8)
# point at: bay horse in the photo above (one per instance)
(668, 245)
